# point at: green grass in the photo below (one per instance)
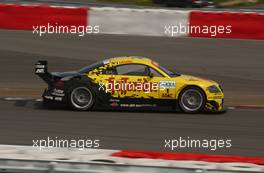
(239, 4)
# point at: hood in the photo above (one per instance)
(190, 78)
(194, 78)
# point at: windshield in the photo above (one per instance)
(168, 72)
(165, 70)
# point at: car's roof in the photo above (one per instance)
(130, 59)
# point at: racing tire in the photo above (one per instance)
(192, 100)
(81, 98)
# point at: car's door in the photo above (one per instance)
(167, 86)
(146, 82)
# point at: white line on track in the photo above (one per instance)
(14, 98)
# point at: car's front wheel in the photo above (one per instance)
(81, 98)
(192, 100)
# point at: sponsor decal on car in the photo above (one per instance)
(167, 84)
(48, 97)
(114, 104)
(125, 62)
(58, 98)
(58, 92)
(138, 105)
(216, 97)
(40, 70)
(167, 95)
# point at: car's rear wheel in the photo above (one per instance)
(81, 98)
(192, 100)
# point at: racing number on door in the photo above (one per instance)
(167, 89)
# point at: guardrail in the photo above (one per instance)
(54, 160)
(27, 166)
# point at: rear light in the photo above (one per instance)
(58, 84)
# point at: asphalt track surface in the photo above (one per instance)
(237, 64)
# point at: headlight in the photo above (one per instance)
(214, 89)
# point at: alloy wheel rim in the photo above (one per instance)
(81, 97)
(192, 100)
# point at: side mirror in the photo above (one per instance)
(151, 75)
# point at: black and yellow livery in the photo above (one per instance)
(130, 83)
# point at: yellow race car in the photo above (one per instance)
(133, 83)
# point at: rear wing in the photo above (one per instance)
(41, 69)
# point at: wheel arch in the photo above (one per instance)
(188, 86)
(79, 83)
(78, 80)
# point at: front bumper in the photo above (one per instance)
(215, 99)
(215, 104)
